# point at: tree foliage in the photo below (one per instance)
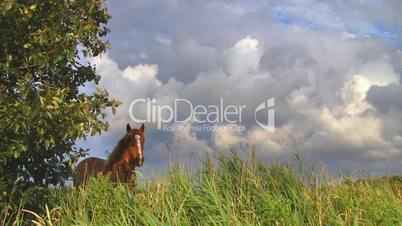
(43, 50)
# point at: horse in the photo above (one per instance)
(121, 162)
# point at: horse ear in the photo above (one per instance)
(142, 128)
(128, 127)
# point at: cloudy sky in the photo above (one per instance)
(333, 67)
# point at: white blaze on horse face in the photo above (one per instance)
(138, 139)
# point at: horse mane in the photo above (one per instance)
(116, 154)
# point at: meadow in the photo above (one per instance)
(226, 190)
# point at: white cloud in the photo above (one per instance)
(283, 142)
(226, 136)
(354, 130)
(186, 141)
(243, 57)
(141, 72)
(352, 125)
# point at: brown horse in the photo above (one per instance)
(120, 164)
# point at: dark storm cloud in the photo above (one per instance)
(386, 98)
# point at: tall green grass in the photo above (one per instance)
(231, 191)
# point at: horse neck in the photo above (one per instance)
(115, 156)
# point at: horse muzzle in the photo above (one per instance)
(140, 162)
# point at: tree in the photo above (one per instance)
(43, 50)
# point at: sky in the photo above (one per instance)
(333, 67)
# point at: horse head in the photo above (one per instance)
(135, 144)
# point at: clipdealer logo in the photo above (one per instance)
(269, 107)
(164, 114)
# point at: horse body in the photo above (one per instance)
(87, 168)
(121, 162)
